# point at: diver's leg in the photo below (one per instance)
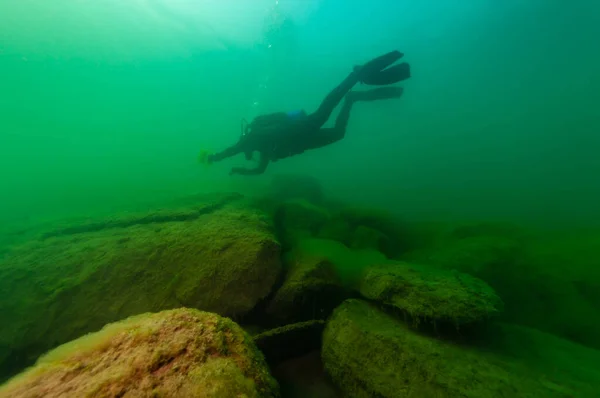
(320, 116)
(341, 122)
(375, 94)
(323, 137)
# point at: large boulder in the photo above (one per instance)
(174, 353)
(299, 218)
(558, 289)
(540, 275)
(369, 238)
(385, 231)
(336, 229)
(349, 263)
(311, 290)
(218, 257)
(369, 353)
(430, 294)
(484, 256)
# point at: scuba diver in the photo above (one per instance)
(280, 135)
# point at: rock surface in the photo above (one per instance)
(542, 276)
(216, 256)
(349, 263)
(299, 217)
(311, 290)
(175, 353)
(369, 238)
(369, 353)
(430, 294)
(374, 222)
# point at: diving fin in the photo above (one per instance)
(375, 94)
(379, 63)
(391, 75)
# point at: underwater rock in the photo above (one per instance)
(60, 288)
(174, 353)
(311, 290)
(390, 229)
(477, 255)
(369, 238)
(349, 263)
(356, 236)
(542, 277)
(290, 341)
(558, 288)
(427, 294)
(369, 353)
(336, 229)
(290, 186)
(204, 204)
(296, 218)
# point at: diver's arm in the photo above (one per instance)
(227, 153)
(262, 166)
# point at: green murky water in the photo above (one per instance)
(105, 105)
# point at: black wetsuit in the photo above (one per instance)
(298, 134)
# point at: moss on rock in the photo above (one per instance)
(336, 229)
(311, 290)
(369, 238)
(349, 263)
(547, 280)
(430, 294)
(62, 287)
(478, 255)
(385, 223)
(297, 218)
(175, 353)
(369, 353)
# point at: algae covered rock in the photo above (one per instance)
(299, 216)
(349, 263)
(388, 230)
(174, 353)
(542, 276)
(369, 353)
(336, 229)
(430, 294)
(484, 256)
(361, 228)
(369, 238)
(311, 290)
(222, 259)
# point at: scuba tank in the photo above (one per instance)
(296, 115)
(271, 122)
